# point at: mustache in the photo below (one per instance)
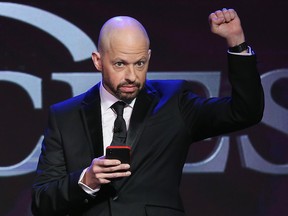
(136, 84)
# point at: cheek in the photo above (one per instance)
(120, 80)
(142, 76)
(112, 80)
(111, 76)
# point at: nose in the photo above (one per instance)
(130, 74)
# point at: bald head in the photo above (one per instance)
(124, 30)
(123, 57)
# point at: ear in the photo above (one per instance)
(96, 58)
(149, 54)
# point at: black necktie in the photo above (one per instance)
(119, 131)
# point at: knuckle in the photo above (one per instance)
(96, 169)
(98, 176)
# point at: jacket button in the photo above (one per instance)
(86, 201)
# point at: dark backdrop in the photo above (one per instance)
(180, 41)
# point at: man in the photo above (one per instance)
(163, 118)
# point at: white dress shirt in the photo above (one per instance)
(108, 117)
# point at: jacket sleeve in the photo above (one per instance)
(55, 190)
(214, 116)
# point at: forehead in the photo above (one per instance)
(128, 57)
(121, 48)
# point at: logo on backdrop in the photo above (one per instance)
(274, 115)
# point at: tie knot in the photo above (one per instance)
(118, 107)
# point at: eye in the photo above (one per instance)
(140, 63)
(119, 64)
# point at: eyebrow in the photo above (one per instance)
(118, 59)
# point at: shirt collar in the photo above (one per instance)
(107, 99)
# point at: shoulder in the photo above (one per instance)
(67, 104)
(77, 101)
(169, 86)
(165, 84)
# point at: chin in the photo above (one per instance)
(128, 97)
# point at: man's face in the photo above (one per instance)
(124, 68)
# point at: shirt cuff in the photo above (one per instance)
(86, 188)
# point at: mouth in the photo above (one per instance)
(128, 88)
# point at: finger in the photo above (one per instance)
(219, 14)
(227, 15)
(105, 162)
(104, 177)
(110, 169)
(121, 167)
(233, 13)
(215, 20)
(102, 180)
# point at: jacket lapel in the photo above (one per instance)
(144, 104)
(91, 113)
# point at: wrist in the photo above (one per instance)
(87, 180)
(235, 39)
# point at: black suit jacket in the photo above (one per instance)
(166, 119)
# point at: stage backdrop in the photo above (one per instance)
(45, 49)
